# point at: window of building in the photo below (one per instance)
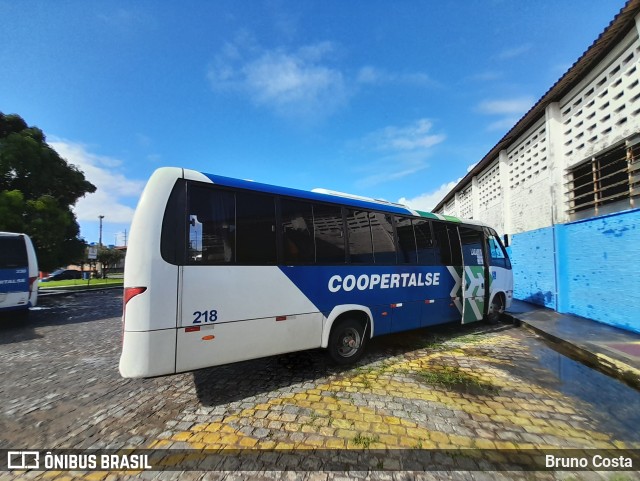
(607, 179)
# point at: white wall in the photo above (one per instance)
(524, 188)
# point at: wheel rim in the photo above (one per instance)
(349, 342)
(496, 307)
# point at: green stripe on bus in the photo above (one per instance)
(427, 214)
(451, 218)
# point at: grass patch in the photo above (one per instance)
(456, 379)
(433, 342)
(365, 441)
(80, 284)
(469, 339)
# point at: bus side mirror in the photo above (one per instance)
(505, 240)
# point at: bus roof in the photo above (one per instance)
(322, 195)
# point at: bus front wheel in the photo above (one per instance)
(347, 341)
(496, 310)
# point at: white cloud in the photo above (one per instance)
(486, 76)
(413, 137)
(374, 76)
(293, 83)
(112, 187)
(405, 150)
(513, 52)
(518, 105)
(429, 200)
(508, 110)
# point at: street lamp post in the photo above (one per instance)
(100, 240)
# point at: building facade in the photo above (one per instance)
(564, 184)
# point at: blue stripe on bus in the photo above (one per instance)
(15, 279)
(381, 289)
(303, 194)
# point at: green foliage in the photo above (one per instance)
(37, 190)
(109, 258)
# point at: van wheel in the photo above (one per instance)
(496, 310)
(347, 342)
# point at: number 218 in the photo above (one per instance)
(205, 316)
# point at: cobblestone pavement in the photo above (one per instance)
(481, 387)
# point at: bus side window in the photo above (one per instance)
(407, 253)
(297, 232)
(173, 248)
(497, 256)
(256, 229)
(359, 229)
(454, 242)
(443, 250)
(211, 223)
(384, 246)
(471, 247)
(424, 241)
(329, 234)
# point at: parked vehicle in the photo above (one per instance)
(222, 270)
(18, 273)
(63, 274)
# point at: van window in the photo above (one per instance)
(360, 245)
(13, 252)
(406, 241)
(329, 234)
(255, 229)
(211, 222)
(298, 246)
(384, 246)
(471, 247)
(424, 240)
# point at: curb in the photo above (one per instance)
(43, 293)
(598, 361)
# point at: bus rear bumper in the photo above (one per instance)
(148, 353)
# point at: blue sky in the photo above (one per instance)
(384, 99)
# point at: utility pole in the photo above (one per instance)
(100, 241)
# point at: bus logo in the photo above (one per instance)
(23, 460)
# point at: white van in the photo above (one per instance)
(18, 274)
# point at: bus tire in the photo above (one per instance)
(347, 341)
(496, 310)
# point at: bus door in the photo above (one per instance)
(474, 273)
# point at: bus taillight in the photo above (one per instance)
(130, 293)
(32, 281)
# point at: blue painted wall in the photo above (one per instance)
(532, 258)
(596, 266)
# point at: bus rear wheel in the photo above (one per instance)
(347, 341)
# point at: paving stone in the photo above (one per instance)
(52, 396)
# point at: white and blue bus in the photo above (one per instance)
(220, 270)
(18, 274)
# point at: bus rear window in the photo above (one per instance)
(13, 252)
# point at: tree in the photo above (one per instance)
(37, 190)
(109, 258)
